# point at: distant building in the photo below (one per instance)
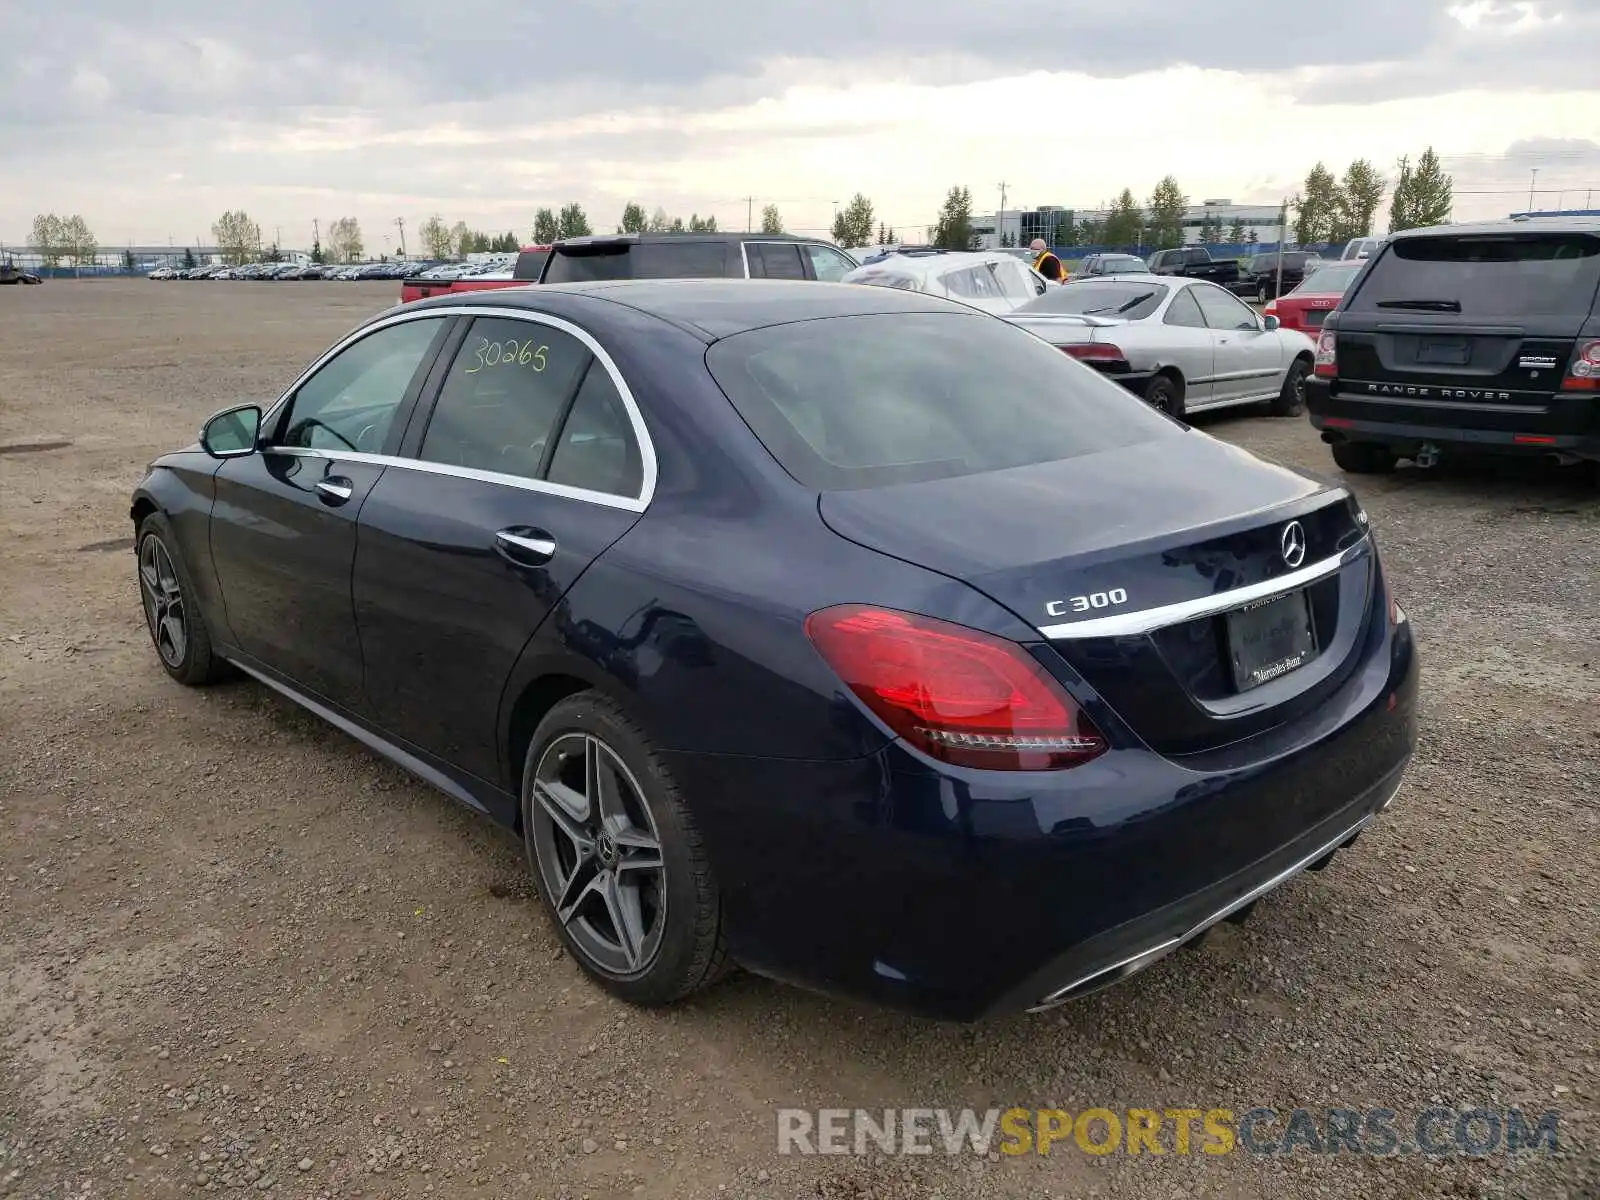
(1020, 226)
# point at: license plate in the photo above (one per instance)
(1445, 352)
(1270, 638)
(1314, 317)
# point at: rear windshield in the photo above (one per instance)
(640, 260)
(1330, 281)
(865, 401)
(1492, 275)
(1135, 301)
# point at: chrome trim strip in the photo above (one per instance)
(1146, 620)
(433, 468)
(647, 450)
(545, 546)
(1166, 945)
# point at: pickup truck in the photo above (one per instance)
(1195, 262)
(527, 269)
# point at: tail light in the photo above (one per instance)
(1096, 352)
(1327, 362)
(1271, 310)
(1397, 615)
(1584, 373)
(963, 697)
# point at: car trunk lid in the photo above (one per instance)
(1108, 555)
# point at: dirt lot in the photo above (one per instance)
(239, 951)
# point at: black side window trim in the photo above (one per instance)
(422, 404)
(436, 389)
(404, 412)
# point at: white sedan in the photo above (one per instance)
(1182, 344)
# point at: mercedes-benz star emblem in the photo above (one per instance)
(1294, 543)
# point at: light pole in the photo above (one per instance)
(1531, 182)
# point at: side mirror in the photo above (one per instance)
(232, 433)
(1270, 324)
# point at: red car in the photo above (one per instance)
(530, 262)
(1318, 295)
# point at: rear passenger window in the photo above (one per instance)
(1183, 311)
(774, 260)
(597, 449)
(504, 393)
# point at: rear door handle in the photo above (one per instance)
(524, 546)
(335, 489)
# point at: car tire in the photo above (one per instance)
(1291, 401)
(596, 798)
(1261, 293)
(167, 594)
(1165, 394)
(1364, 458)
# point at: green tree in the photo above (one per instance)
(771, 219)
(47, 238)
(344, 235)
(893, 241)
(317, 255)
(127, 261)
(1236, 232)
(883, 234)
(1317, 207)
(1211, 229)
(1168, 205)
(852, 225)
(699, 224)
(238, 238)
(78, 240)
(1360, 192)
(1091, 232)
(273, 254)
(1124, 222)
(1423, 195)
(545, 226)
(573, 222)
(189, 262)
(435, 237)
(633, 219)
(952, 231)
(507, 243)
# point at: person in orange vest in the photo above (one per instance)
(1046, 263)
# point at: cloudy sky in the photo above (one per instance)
(150, 119)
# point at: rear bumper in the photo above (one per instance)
(1569, 423)
(966, 894)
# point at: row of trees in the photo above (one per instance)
(57, 238)
(1336, 210)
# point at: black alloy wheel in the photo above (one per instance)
(164, 609)
(616, 855)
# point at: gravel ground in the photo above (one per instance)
(239, 951)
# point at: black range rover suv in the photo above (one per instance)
(1465, 339)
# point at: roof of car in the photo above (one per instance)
(930, 261)
(710, 308)
(716, 235)
(1504, 225)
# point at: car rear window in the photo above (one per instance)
(1488, 275)
(1101, 298)
(1330, 281)
(865, 401)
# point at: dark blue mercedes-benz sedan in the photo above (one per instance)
(851, 635)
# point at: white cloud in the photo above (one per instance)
(200, 107)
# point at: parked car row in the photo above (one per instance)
(288, 270)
